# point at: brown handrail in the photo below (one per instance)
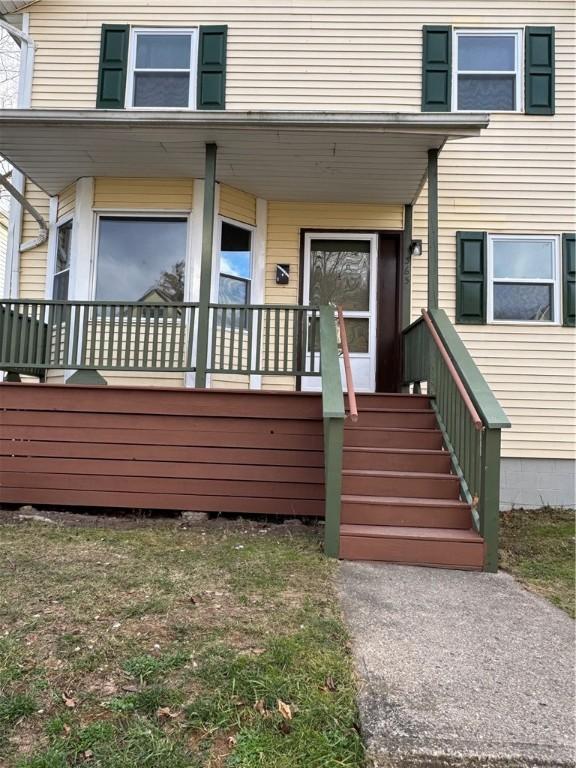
(476, 420)
(352, 407)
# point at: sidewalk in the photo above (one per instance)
(458, 668)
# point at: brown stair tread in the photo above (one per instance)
(403, 500)
(419, 412)
(405, 532)
(361, 427)
(393, 451)
(394, 473)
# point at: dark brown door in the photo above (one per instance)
(388, 358)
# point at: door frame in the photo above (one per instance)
(389, 261)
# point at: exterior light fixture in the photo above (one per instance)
(415, 248)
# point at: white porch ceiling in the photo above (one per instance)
(325, 157)
(13, 6)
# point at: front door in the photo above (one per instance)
(341, 269)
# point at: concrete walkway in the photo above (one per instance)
(459, 669)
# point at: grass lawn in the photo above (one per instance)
(152, 645)
(538, 548)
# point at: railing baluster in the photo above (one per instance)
(267, 342)
(286, 337)
(111, 327)
(223, 337)
(258, 361)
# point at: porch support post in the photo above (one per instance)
(206, 265)
(433, 228)
(407, 267)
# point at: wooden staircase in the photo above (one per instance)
(400, 501)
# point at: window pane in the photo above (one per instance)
(64, 247)
(163, 52)
(483, 52)
(490, 92)
(357, 333)
(522, 302)
(60, 288)
(233, 291)
(236, 251)
(141, 260)
(523, 258)
(157, 89)
(340, 273)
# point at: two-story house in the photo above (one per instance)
(197, 178)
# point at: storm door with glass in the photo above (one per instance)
(340, 269)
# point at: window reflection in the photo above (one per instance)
(340, 273)
(141, 259)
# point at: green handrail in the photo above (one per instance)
(334, 415)
(469, 415)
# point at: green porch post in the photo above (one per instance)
(206, 265)
(490, 497)
(433, 228)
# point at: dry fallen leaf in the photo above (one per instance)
(260, 706)
(284, 709)
(329, 685)
(231, 741)
(68, 701)
(166, 712)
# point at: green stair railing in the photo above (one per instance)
(470, 417)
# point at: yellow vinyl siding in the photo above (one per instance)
(67, 201)
(310, 54)
(143, 194)
(238, 205)
(33, 263)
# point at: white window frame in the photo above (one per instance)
(193, 33)
(137, 214)
(66, 219)
(518, 33)
(241, 225)
(554, 280)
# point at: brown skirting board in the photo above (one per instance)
(160, 448)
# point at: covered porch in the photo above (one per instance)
(338, 162)
(396, 475)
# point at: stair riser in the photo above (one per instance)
(402, 402)
(366, 438)
(401, 487)
(411, 420)
(396, 462)
(468, 556)
(412, 517)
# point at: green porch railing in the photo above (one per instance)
(260, 339)
(470, 417)
(124, 336)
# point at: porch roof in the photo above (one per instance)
(293, 156)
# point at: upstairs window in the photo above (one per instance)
(487, 71)
(162, 72)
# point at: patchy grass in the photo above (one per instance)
(213, 647)
(538, 548)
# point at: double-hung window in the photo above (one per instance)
(235, 264)
(487, 72)
(523, 277)
(162, 71)
(61, 281)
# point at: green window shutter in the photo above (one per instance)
(212, 68)
(539, 89)
(437, 69)
(569, 278)
(113, 66)
(471, 277)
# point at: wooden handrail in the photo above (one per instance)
(352, 407)
(476, 420)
